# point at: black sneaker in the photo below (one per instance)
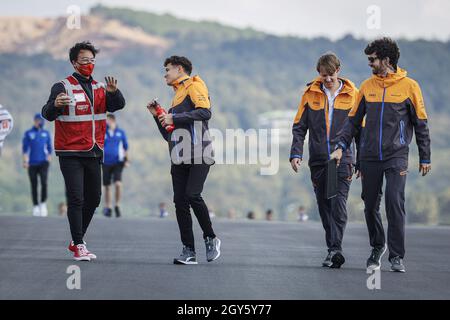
(337, 260)
(397, 264)
(187, 257)
(327, 262)
(107, 212)
(212, 248)
(117, 210)
(374, 261)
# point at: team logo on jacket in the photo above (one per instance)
(82, 108)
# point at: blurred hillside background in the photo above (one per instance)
(252, 76)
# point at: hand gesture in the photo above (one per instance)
(111, 84)
(62, 100)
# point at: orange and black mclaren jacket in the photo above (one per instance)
(312, 115)
(392, 107)
(191, 110)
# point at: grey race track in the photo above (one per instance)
(260, 260)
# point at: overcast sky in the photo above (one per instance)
(409, 19)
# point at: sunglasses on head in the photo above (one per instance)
(372, 59)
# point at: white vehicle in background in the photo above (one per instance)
(6, 125)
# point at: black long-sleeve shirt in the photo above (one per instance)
(114, 101)
(161, 129)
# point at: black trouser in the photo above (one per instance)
(82, 177)
(34, 171)
(333, 212)
(188, 181)
(372, 173)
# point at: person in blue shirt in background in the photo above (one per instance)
(37, 150)
(115, 159)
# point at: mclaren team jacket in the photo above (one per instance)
(391, 109)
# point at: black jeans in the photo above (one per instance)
(34, 171)
(188, 181)
(372, 174)
(82, 177)
(333, 212)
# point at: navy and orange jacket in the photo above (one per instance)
(312, 115)
(392, 107)
(191, 110)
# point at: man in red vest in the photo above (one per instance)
(78, 105)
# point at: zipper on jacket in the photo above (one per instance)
(175, 139)
(402, 135)
(93, 118)
(327, 128)
(193, 134)
(381, 124)
(92, 111)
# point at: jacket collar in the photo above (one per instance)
(348, 87)
(80, 78)
(108, 128)
(391, 78)
(177, 83)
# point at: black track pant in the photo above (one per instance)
(82, 177)
(333, 212)
(373, 172)
(188, 181)
(34, 172)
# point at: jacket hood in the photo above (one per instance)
(391, 78)
(186, 81)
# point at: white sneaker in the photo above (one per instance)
(36, 211)
(43, 208)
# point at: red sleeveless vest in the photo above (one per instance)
(82, 123)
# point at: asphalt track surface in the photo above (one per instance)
(260, 260)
